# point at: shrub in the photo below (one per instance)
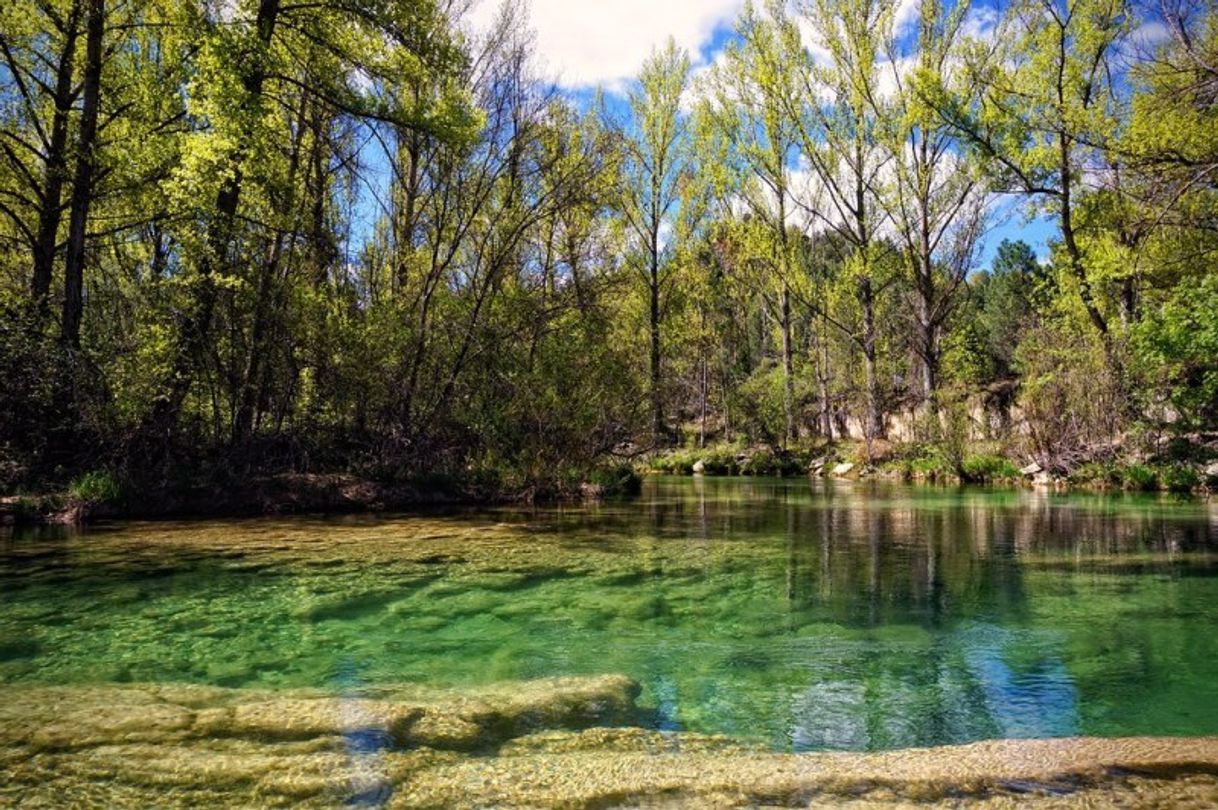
(620, 479)
(1179, 478)
(1097, 473)
(981, 468)
(760, 462)
(96, 486)
(674, 462)
(932, 466)
(1139, 477)
(718, 460)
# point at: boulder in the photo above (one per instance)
(1032, 469)
(699, 467)
(843, 469)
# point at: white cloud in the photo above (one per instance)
(603, 43)
(906, 15)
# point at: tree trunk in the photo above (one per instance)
(823, 374)
(82, 188)
(873, 426)
(1073, 251)
(788, 368)
(704, 393)
(657, 404)
(50, 209)
(253, 379)
(928, 336)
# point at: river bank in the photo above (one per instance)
(100, 496)
(1187, 468)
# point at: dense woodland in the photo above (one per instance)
(251, 236)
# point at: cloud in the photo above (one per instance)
(603, 44)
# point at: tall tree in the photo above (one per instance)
(83, 179)
(935, 199)
(654, 144)
(1044, 105)
(39, 46)
(838, 131)
(751, 88)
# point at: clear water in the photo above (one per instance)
(806, 616)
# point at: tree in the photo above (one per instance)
(750, 89)
(1043, 110)
(834, 116)
(935, 198)
(655, 162)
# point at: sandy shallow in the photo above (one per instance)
(562, 742)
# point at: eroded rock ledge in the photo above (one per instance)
(558, 742)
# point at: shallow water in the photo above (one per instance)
(801, 616)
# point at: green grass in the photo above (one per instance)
(986, 468)
(96, 486)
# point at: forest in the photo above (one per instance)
(244, 238)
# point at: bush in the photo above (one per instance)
(620, 479)
(931, 466)
(985, 468)
(96, 486)
(760, 462)
(1179, 478)
(1139, 477)
(719, 460)
(675, 462)
(1097, 473)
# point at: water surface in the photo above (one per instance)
(801, 615)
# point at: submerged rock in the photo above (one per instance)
(181, 745)
(66, 718)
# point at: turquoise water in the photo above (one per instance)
(803, 615)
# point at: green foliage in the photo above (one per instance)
(1139, 477)
(777, 254)
(97, 487)
(1179, 478)
(988, 469)
(761, 398)
(619, 479)
(931, 466)
(1179, 340)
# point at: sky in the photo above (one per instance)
(587, 45)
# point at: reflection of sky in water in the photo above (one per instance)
(1036, 700)
(370, 783)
